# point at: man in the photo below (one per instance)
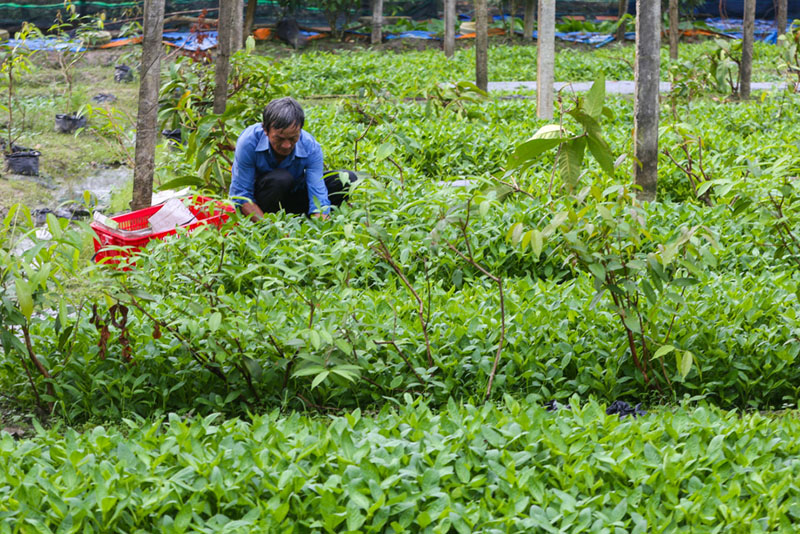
(278, 165)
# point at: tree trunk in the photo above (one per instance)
(781, 16)
(147, 116)
(545, 63)
(237, 27)
(249, 19)
(645, 106)
(377, 21)
(674, 30)
(622, 10)
(512, 9)
(481, 45)
(223, 62)
(449, 27)
(530, 18)
(746, 69)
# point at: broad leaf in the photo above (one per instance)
(595, 98)
(570, 161)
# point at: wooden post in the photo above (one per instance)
(674, 30)
(746, 69)
(449, 27)
(249, 19)
(546, 59)
(781, 15)
(223, 61)
(622, 10)
(147, 116)
(237, 27)
(530, 18)
(645, 106)
(481, 45)
(377, 21)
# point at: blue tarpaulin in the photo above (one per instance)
(765, 30)
(413, 34)
(192, 41)
(51, 44)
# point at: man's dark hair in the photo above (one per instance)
(282, 113)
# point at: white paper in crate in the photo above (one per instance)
(173, 213)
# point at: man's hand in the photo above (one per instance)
(323, 216)
(252, 209)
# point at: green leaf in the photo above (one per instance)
(319, 379)
(24, 297)
(686, 363)
(424, 519)
(514, 233)
(54, 226)
(536, 243)
(570, 161)
(602, 153)
(384, 151)
(632, 323)
(664, 350)
(598, 271)
(462, 471)
(492, 436)
(254, 368)
(527, 152)
(214, 321)
(595, 98)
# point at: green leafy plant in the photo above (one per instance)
(725, 61)
(789, 45)
(71, 51)
(16, 60)
(32, 271)
(571, 147)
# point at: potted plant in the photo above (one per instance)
(15, 61)
(68, 52)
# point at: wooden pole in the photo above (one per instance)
(645, 106)
(449, 27)
(147, 116)
(674, 29)
(237, 28)
(746, 69)
(622, 10)
(530, 19)
(377, 22)
(249, 19)
(223, 62)
(781, 15)
(546, 59)
(481, 45)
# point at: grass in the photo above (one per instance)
(65, 158)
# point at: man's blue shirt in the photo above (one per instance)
(254, 156)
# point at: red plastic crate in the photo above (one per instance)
(206, 210)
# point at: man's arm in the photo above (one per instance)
(243, 177)
(252, 209)
(318, 202)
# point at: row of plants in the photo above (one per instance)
(439, 290)
(514, 467)
(441, 296)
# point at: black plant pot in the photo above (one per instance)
(24, 162)
(123, 73)
(66, 123)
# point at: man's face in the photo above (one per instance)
(283, 140)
